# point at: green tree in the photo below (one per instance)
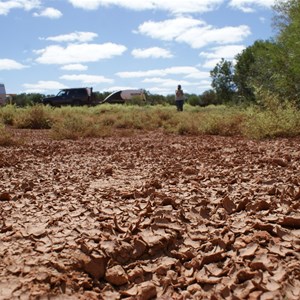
(244, 73)
(257, 66)
(222, 81)
(287, 23)
(273, 65)
(27, 99)
(193, 99)
(101, 96)
(154, 99)
(208, 97)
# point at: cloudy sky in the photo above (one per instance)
(47, 45)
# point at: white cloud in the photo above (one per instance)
(180, 70)
(170, 89)
(169, 29)
(42, 86)
(7, 6)
(209, 35)
(173, 6)
(227, 52)
(163, 82)
(198, 75)
(158, 72)
(217, 53)
(154, 52)
(74, 67)
(262, 20)
(161, 90)
(168, 86)
(205, 83)
(78, 53)
(87, 79)
(193, 32)
(49, 12)
(77, 36)
(137, 74)
(250, 5)
(211, 63)
(9, 64)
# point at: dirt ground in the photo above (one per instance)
(150, 216)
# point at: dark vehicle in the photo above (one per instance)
(73, 96)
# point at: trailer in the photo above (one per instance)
(125, 95)
(2, 94)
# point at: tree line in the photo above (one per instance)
(208, 97)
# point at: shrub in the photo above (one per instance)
(34, 117)
(272, 117)
(226, 123)
(260, 124)
(75, 127)
(187, 128)
(163, 114)
(136, 100)
(108, 120)
(8, 114)
(71, 127)
(6, 138)
(194, 100)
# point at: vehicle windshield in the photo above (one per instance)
(62, 93)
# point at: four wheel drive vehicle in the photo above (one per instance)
(125, 95)
(74, 96)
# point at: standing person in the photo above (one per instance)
(179, 98)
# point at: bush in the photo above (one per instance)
(227, 122)
(260, 124)
(34, 117)
(194, 100)
(272, 117)
(187, 128)
(74, 127)
(8, 114)
(136, 100)
(6, 138)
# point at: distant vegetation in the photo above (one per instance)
(258, 96)
(207, 98)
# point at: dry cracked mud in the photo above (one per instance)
(150, 216)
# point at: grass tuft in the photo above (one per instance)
(34, 117)
(6, 138)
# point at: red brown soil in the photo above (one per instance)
(150, 216)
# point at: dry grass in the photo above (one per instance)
(6, 139)
(270, 120)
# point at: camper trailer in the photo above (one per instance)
(2, 94)
(125, 95)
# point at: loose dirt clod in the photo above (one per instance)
(5, 196)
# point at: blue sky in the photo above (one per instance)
(47, 45)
